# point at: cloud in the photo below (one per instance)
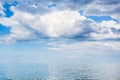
(88, 46)
(102, 7)
(90, 7)
(1, 10)
(34, 20)
(42, 6)
(55, 24)
(106, 30)
(63, 23)
(58, 24)
(72, 4)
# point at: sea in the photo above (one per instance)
(59, 71)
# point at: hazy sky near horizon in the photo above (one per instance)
(37, 30)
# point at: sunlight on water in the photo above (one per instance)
(59, 71)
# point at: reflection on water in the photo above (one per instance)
(60, 72)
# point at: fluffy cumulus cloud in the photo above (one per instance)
(55, 24)
(43, 19)
(106, 30)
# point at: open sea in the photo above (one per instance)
(59, 71)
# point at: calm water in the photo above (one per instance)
(36, 71)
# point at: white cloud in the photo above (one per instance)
(104, 8)
(26, 25)
(106, 30)
(90, 7)
(41, 6)
(62, 23)
(18, 30)
(87, 46)
(54, 24)
(1, 10)
(58, 24)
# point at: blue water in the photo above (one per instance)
(59, 71)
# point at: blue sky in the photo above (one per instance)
(49, 27)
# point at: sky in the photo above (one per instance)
(47, 30)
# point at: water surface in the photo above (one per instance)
(55, 71)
